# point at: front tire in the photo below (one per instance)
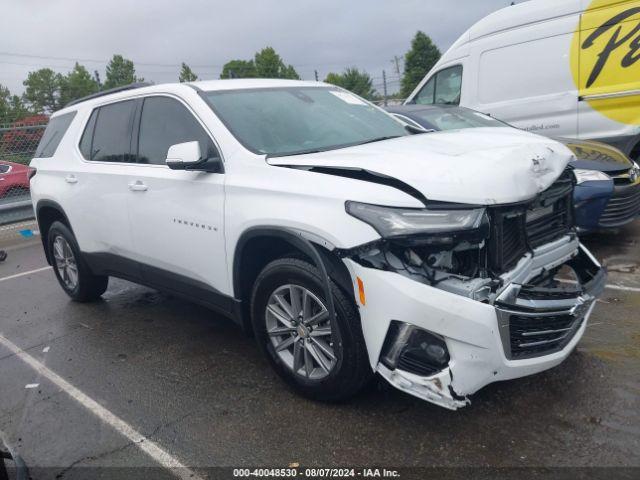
(321, 359)
(71, 270)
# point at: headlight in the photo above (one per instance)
(589, 175)
(392, 222)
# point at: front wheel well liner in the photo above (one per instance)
(259, 246)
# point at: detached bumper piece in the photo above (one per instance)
(455, 350)
(416, 362)
(534, 321)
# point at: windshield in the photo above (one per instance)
(291, 120)
(454, 118)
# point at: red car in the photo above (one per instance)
(14, 179)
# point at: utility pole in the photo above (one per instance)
(316, 73)
(384, 86)
(396, 60)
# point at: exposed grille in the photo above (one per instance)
(515, 230)
(623, 207)
(551, 226)
(531, 292)
(508, 242)
(532, 336)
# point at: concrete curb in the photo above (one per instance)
(17, 233)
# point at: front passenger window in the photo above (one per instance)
(165, 122)
(448, 86)
(443, 88)
(425, 96)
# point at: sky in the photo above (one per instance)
(158, 35)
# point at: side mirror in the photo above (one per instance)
(181, 156)
(188, 156)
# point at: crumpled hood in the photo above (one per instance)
(483, 166)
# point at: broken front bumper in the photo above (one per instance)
(524, 331)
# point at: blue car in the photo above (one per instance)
(607, 194)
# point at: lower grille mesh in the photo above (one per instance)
(623, 207)
(538, 335)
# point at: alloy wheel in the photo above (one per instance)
(65, 262)
(299, 328)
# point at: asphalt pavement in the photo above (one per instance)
(143, 379)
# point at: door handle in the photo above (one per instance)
(137, 186)
(71, 179)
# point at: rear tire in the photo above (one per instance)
(320, 359)
(71, 270)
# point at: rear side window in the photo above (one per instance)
(87, 136)
(107, 136)
(165, 122)
(4, 168)
(53, 134)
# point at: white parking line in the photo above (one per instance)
(622, 288)
(18, 275)
(611, 286)
(157, 453)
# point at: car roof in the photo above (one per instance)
(177, 88)
(250, 83)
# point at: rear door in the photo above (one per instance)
(98, 187)
(608, 73)
(176, 216)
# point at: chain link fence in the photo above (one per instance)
(18, 143)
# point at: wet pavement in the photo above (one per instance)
(197, 386)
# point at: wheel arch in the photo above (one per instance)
(47, 212)
(258, 246)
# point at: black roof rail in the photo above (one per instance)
(124, 88)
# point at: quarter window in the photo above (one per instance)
(53, 134)
(443, 88)
(107, 136)
(165, 122)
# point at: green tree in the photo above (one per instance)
(421, 58)
(76, 84)
(239, 69)
(43, 90)
(269, 65)
(186, 74)
(355, 81)
(5, 104)
(120, 72)
(17, 108)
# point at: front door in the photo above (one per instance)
(177, 216)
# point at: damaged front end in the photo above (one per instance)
(513, 259)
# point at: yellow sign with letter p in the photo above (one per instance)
(605, 59)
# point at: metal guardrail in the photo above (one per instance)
(18, 143)
(16, 210)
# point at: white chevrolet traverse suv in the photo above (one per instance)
(347, 244)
